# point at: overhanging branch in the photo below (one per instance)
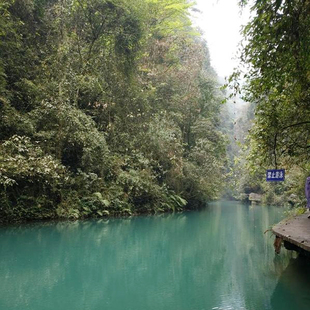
(279, 132)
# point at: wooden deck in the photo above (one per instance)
(295, 232)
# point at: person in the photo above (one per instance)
(307, 192)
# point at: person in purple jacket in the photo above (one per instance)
(307, 191)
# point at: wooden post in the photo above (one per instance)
(277, 244)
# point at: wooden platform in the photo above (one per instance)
(295, 232)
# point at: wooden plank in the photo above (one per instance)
(295, 230)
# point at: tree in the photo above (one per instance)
(277, 54)
(93, 92)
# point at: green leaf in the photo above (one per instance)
(106, 202)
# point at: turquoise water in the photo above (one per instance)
(218, 258)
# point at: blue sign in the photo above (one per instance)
(275, 175)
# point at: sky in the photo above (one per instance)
(221, 22)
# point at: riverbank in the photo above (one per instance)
(106, 216)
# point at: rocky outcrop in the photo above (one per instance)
(253, 197)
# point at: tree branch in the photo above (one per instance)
(281, 131)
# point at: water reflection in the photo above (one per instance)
(218, 258)
(294, 285)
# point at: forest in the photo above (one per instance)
(112, 108)
(275, 71)
(106, 108)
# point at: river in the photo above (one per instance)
(216, 258)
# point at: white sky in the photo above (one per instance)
(221, 22)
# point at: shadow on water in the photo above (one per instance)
(293, 288)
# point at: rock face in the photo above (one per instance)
(253, 197)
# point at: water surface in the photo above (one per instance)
(218, 258)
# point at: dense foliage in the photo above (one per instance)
(107, 107)
(276, 58)
(278, 81)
